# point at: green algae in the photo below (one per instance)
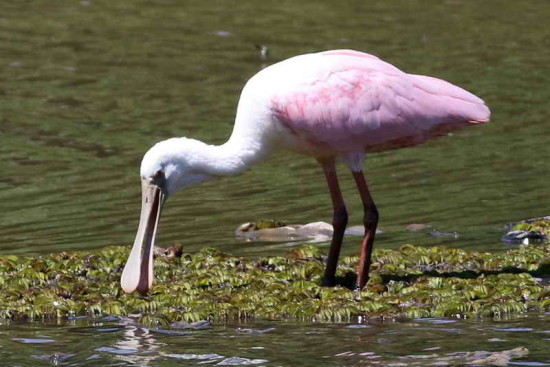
(540, 225)
(266, 223)
(409, 282)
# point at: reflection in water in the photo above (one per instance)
(140, 343)
(414, 342)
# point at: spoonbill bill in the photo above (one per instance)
(332, 105)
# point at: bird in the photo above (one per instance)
(335, 106)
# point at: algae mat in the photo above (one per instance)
(409, 282)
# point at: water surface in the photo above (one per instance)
(88, 86)
(419, 342)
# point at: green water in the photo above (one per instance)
(86, 87)
(419, 342)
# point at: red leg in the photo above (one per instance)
(370, 221)
(339, 222)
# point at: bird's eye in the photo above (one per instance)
(159, 174)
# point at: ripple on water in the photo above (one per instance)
(33, 341)
(208, 356)
(116, 350)
(432, 320)
(54, 358)
(358, 326)
(111, 318)
(108, 330)
(213, 357)
(460, 343)
(419, 356)
(170, 332)
(77, 317)
(445, 330)
(514, 329)
(237, 361)
(254, 331)
(431, 348)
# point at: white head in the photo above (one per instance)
(180, 161)
(167, 167)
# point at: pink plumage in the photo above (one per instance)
(331, 104)
(357, 102)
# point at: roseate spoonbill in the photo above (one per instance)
(331, 105)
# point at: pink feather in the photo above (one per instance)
(358, 102)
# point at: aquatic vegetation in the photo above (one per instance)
(500, 358)
(260, 224)
(535, 230)
(273, 230)
(268, 223)
(409, 282)
(541, 225)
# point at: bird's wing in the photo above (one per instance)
(359, 102)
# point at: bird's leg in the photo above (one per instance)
(370, 220)
(339, 222)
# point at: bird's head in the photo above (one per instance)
(174, 164)
(166, 168)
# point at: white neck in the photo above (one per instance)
(230, 158)
(188, 161)
(251, 140)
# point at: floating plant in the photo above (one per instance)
(536, 230)
(409, 282)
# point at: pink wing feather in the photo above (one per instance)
(363, 103)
